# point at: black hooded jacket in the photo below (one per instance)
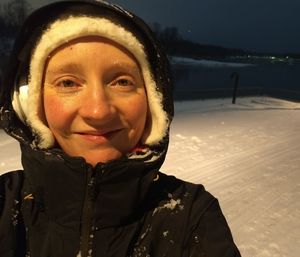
(60, 206)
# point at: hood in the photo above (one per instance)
(14, 116)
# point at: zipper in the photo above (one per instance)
(87, 215)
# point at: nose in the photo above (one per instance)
(97, 107)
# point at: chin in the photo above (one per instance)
(102, 157)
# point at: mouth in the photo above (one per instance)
(98, 136)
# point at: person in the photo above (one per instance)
(88, 95)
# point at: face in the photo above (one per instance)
(94, 99)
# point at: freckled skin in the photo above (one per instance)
(94, 99)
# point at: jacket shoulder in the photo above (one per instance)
(10, 185)
(11, 226)
(208, 231)
(205, 230)
(194, 197)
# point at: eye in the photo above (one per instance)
(67, 83)
(124, 82)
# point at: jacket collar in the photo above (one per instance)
(59, 184)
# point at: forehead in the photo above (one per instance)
(91, 49)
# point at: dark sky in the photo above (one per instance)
(259, 25)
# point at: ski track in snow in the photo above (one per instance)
(247, 155)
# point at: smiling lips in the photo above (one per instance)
(98, 136)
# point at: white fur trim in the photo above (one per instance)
(20, 102)
(63, 31)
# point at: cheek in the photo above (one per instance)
(137, 111)
(57, 112)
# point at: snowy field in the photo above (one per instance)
(247, 155)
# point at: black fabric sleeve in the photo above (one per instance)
(209, 234)
(12, 232)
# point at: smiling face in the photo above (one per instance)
(94, 99)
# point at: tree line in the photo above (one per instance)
(175, 44)
(13, 14)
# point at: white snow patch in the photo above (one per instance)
(171, 205)
(148, 229)
(165, 233)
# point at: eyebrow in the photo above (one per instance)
(128, 66)
(68, 67)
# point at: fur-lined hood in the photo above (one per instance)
(18, 107)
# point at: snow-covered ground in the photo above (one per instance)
(247, 155)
